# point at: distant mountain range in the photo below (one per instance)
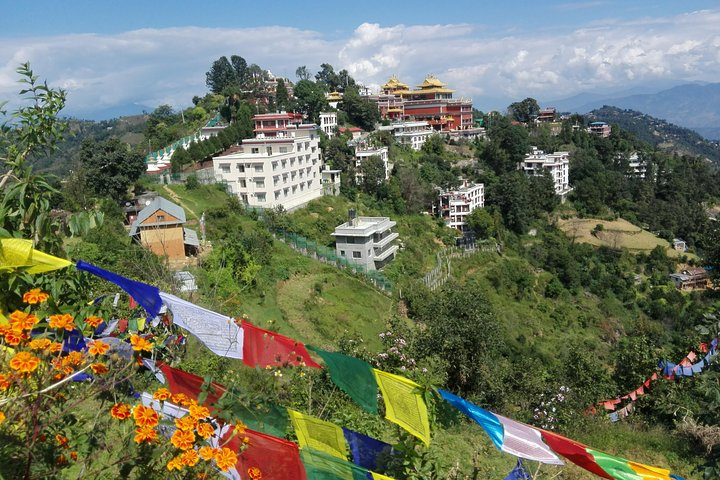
(693, 106)
(659, 133)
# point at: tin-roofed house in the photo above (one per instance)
(160, 228)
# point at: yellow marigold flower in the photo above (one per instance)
(139, 344)
(55, 347)
(246, 440)
(162, 394)
(94, 321)
(175, 464)
(74, 358)
(121, 411)
(254, 473)
(35, 296)
(2, 417)
(24, 362)
(4, 381)
(99, 368)
(14, 336)
(39, 344)
(206, 453)
(145, 434)
(62, 441)
(240, 427)
(65, 321)
(225, 459)
(23, 321)
(181, 399)
(185, 423)
(201, 476)
(190, 458)
(98, 347)
(205, 430)
(145, 416)
(183, 439)
(198, 412)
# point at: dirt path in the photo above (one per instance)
(177, 200)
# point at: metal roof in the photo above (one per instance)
(158, 203)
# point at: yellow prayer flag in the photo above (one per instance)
(403, 404)
(141, 323)
(3, 319)
(18, 253)
(380, 476)
(650, 473)
(319, 434)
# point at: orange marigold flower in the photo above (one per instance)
(145, 416)
(65, 321)
(206, 453)
(94, 321)
(246, 440)
(99, 368)
(5, 381)
(39, 344)
(225, 459)
(175, 464)
(74, 358)
(179, 398)
(74, 456)
(98, 347)
(190, 458)
(62, 441)
(205, 430)
(14, 336)
(183, 440)
(55, 347)
(121, 411)
(145, 434)
(240, 427)
(254, 473)
(61, 460)
(2, 417)
(23, 321)
(162, 394)
(140, 344)
(185, 423)
(24, 362)
(198, 411)
(201, 476)
(35, 296)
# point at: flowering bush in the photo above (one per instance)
(547, 413)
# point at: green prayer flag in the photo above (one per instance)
(322, 466)
(616, 467)
(354, 377)
(265, 417)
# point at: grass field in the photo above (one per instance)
(615, 234)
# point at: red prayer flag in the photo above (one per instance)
(703, 347)
(573, 451)
(265, 348)
(654, 376)
(189, 384)
(122, 325)
(640, 391)
(132, 303)
(277, 459)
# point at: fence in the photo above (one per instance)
(442, 272)
(327, 255)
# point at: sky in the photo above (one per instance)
(132, 54)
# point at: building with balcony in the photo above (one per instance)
(557, 165)
(600, 128)
(366, 241)
(328, 123)
(364, 150)
(411, 134)
(279, 167)
(454, 206)
(330, 181)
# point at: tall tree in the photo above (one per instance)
(310, 99)
(240, 67)
(221, 75)
(302, 73)
(282, 100)
(524, 111)
(112, 167)
(373, 175)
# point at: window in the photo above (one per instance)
(160, 218)
(242, 182)
(260, 197)
(224, 167)
(342, 253)
(259, 167)
(357, 254)
(260, 183)
(274, 166)
(268, 150)
(240, 168)
(254, 150)
(283, 149)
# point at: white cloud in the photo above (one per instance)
(153, 66)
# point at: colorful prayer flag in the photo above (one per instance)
(264, 348)
(146, 295)
(354, 377)
(189, 384)
(526, 442)
(321, 466)
(616, 467)
(18, 253)
(650, 473)
(367, 452)
(217, 332)
(574, 451)
(518, 473)
(487, 420)
(319, 434)
(403, 404)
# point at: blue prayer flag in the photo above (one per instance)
(146, 295)
(518, 473)
(487, 420)
(367, 452)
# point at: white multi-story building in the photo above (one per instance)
(637, 167)
(412, 134)
(363, 151)
(279, 167)
(366, 241)
(556, 164)
(455, 205)
(328, 123)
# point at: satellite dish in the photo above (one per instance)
(147, 202)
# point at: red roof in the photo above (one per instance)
(350, 129)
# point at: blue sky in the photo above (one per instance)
(143, 53)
